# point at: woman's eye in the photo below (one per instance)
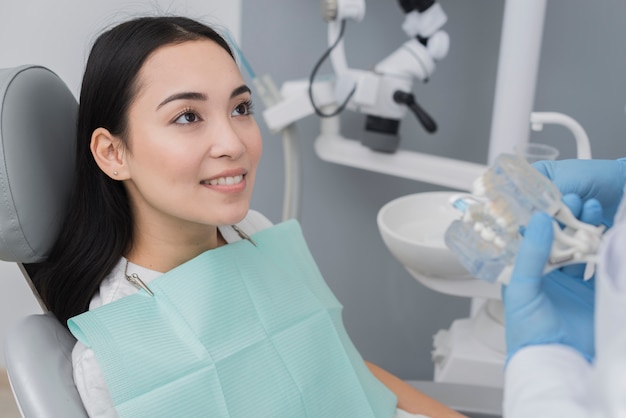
(186, 118)
(243, 109)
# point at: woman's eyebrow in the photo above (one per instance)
(188, 95)
(240, 90)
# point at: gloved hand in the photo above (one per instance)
(557, 308)
(598, 179)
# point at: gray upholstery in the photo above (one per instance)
(38, 354)
(37, 136)
(37, 128)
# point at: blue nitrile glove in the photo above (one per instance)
(590, 179)
(557, 308)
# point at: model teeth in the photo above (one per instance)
(226, 181)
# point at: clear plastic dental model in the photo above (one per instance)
(487, 236)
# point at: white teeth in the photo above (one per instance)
(226, 181)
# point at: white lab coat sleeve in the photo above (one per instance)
(610, 318)
(609, 383)
(547, 381)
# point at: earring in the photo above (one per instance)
(115, 173)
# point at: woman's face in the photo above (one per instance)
(193, 144)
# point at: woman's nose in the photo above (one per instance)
(226, 141)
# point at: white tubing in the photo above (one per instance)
(291, 150)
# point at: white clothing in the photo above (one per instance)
(557, 381)
(88, 376)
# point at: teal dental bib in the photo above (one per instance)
(239, 331)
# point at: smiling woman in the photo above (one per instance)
(188, 159)
(185, 302)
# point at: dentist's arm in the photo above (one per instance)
(549, 327)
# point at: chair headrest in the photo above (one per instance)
(37, 148)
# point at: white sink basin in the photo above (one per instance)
(413, 229)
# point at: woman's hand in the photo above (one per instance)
(410, 399)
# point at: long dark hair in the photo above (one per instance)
(99, 224)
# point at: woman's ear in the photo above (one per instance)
(108, 151)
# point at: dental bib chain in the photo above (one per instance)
(487, 237)
(136, 281)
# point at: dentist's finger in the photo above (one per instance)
(533, 254)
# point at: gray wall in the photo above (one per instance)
(389, 315)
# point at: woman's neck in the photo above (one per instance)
(163, 253)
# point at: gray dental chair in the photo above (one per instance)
(37, 135)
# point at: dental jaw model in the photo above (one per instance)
(503, 199)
